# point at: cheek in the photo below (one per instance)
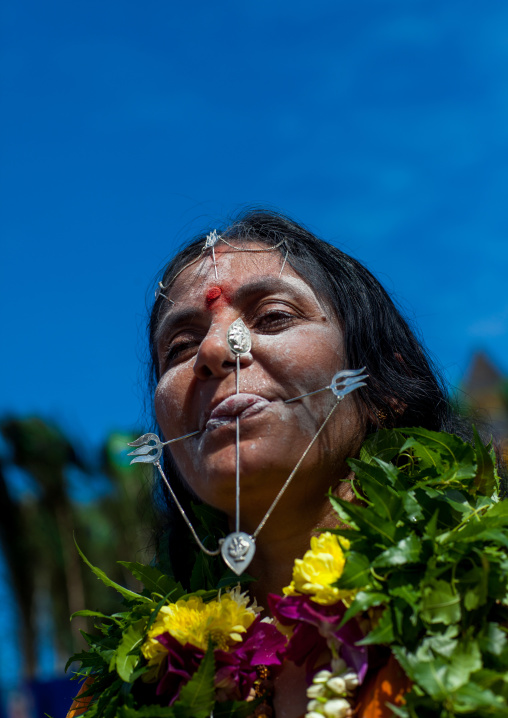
(308, 358)
(168, 402)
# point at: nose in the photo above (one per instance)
(215, 358)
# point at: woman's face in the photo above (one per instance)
(297, 347)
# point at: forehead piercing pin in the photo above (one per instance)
(211, 241)
(344, 382)
(158, 292)
(150, 447)
(284, 262)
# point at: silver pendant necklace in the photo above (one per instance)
(238, 548)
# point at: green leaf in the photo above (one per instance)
(407, 593)
(86, 659)
(494, 518)
(94, 614)
(362, 601)
(230, 578)
(367, 520)
(111, 584)
(100, 684)
(108, 700)
(407, 550)
(471, 698)
(236, 709)
(125, 660)
(197, 697)
(146, 712)
(443, 451)
(474, 585)
(385, 501)
(429, 675)
(440, 604)
(431, 528)
(465, 659)
(412, 507)
(485, 480)
(154, 580)
(201, 576)
(400, 711)
(493, 640)
(382, 633)
(443, 644)
(384, 444)
(356, 572)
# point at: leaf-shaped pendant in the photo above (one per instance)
(237, 551)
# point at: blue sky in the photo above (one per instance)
(126, 127)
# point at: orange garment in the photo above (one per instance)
(80, 705)
(388, 685)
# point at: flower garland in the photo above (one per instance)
(418, 574)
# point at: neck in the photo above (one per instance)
(284, 539)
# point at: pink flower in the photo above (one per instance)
(315, 629)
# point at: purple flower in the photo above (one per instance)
(235, 674)
(181, 664)
(315, 628)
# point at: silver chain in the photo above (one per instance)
(271, 508)
(184, 515)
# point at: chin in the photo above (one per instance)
(214, 481)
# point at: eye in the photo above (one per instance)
(179, 351)
(274, 320)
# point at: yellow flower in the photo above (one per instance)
(321, 566)
(193, 621)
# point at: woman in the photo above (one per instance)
(342, 318)
(311, 311)
(248, 330)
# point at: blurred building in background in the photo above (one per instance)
(485, 393)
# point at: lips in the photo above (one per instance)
(241, 405)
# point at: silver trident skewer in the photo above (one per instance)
(150, 447)
(344, 382)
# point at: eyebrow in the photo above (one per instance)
(262, 285)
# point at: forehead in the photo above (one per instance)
(236, 269)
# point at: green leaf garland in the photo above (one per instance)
(428, 562)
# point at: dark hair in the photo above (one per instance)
(404, 388)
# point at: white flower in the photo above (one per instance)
(337, 684)
(322, 676)
(316, 690)
(336, 708)
(314, 706)
(313, 714)
(351, 680)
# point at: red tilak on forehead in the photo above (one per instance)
(212, 294)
